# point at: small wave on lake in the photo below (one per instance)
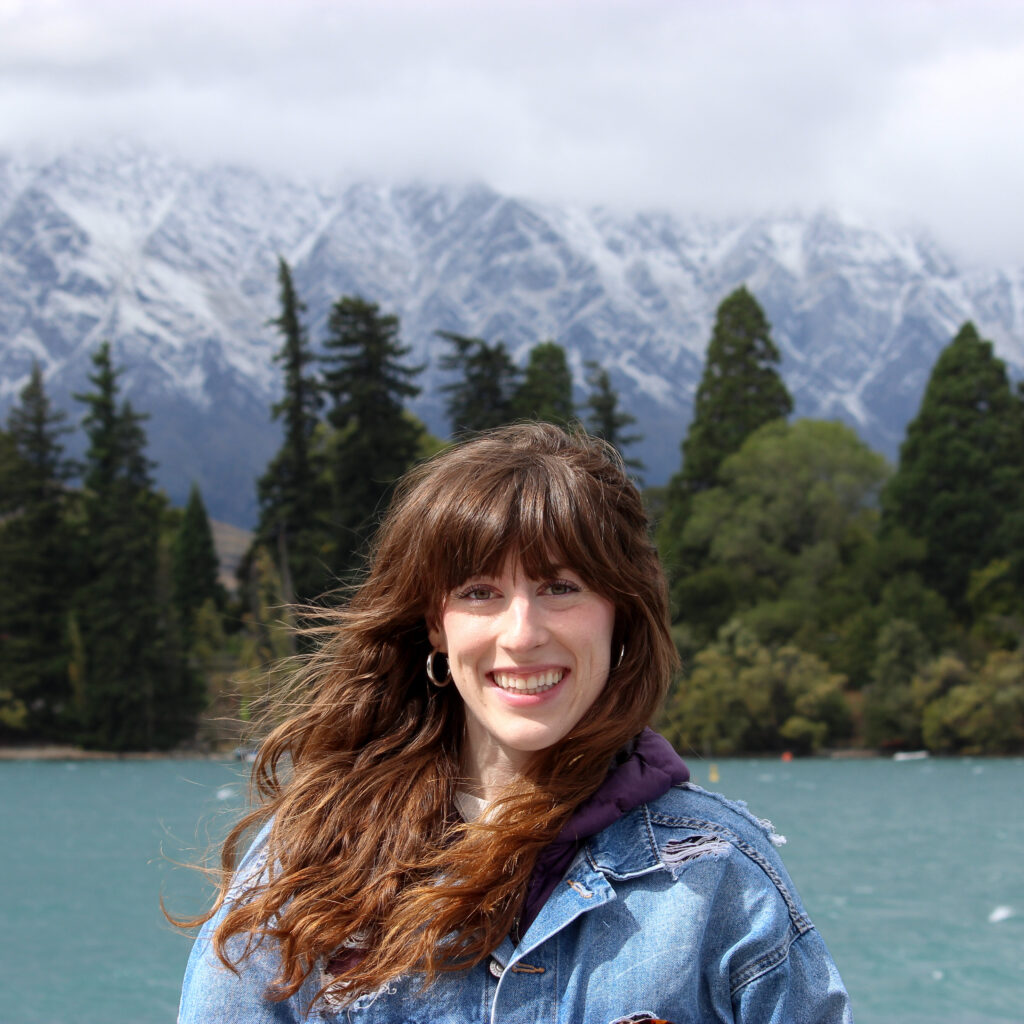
(1000, 914)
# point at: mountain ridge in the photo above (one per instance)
(175, 264)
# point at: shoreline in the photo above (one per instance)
(59, 752)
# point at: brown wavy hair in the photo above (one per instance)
(365, 848)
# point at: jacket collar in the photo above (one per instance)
(625, 849)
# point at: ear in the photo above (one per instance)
(437, 638)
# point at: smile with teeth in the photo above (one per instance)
(540, 682)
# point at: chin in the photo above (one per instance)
(534, 743)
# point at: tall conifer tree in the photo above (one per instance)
(483, 394)
(291, 502)
(375, 440)
(36, 564)
(606, 418)
(546, 389)
(740, 390)
(136, 690)
(960, 481)
(194, 564)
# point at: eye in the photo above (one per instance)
(475, 592)
(559, 588)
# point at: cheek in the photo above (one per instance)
(603, 630)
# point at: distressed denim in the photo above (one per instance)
(680, 911)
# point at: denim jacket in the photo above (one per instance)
(680, 911)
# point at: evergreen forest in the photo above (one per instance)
(822, 599)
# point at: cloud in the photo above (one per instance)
(905, 110)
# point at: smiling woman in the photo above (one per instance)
(529, 658)
(475, 822)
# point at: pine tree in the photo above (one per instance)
(194, 564)
(375, 442)
(606, 419)
(290, 495)
(35, 551)
(136, 691)
(960, 482)
(482, 396)
(740, 390)
(546, 389)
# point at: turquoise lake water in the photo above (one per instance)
(913, 873)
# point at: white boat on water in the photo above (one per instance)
(910, 755)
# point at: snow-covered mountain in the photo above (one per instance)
(176, 266)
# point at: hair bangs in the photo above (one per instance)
(534, 514)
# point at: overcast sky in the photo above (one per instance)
(908, 110)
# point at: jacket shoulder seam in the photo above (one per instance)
(735, 807)
(800, 921)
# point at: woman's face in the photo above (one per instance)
(528, 657)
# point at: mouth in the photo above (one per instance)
(538, 682)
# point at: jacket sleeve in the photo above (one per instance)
(804, 988)
(213, 994)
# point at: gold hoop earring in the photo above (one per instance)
(622, 654)
(439, 683)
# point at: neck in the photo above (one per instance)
(488, 768)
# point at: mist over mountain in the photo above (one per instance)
(175, 264)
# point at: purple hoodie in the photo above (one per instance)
(650, 768)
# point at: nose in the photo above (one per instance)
(522, 624)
